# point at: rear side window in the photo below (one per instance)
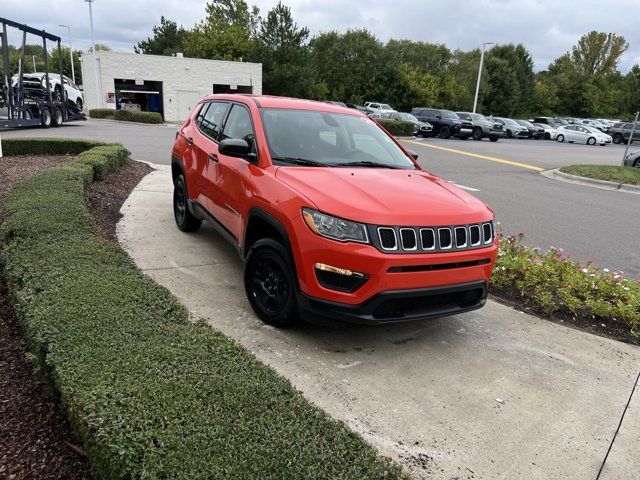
(238, 125)
(211, 120)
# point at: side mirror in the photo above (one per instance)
(413, 154)
(237, 147)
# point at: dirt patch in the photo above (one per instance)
(36, 441)
(105, 198)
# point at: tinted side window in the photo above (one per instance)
(238, 125)
(212, 119)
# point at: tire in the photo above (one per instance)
(185, 221)
(494, 139)
(547, 136)
(617, 138)
(591, 141)
(57, 118)
(57, 90)
(560, 138)
(269, 283)
(45, 117)
(477, 133)
(509, 134)
(445, 132)
(636, 164)
(79, 104)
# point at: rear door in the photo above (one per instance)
(205, 149)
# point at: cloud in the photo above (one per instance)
(548, 28)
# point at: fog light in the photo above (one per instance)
(340, 279)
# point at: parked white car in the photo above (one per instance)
(38, 80)
(582, 134)
(375, 107)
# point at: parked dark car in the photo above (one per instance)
(482, 126)
(534, 132)
(512, 128)
(555, 122)
(621, 132)
(419, 128)
(445, 122)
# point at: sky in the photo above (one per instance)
(548, 28)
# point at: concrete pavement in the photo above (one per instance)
(425, 393)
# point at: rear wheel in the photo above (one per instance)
(560, 138)
(45, 117)
(636, 164)
(185, 220)
(269, 284)
(509, 134)
(591, 141)
(57, 118)
(79, 104)
(617, 138)
(477, 133)
(547, 136)
(445, 132)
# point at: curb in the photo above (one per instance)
(556, 174)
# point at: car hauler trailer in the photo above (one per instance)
(31, 104)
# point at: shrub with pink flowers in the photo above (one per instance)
(553, 283)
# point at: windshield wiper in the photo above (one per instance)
(366, 163)
(301, 161)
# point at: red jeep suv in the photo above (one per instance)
(334, 219)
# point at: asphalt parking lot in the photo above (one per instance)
(587, 222)
(493, 393)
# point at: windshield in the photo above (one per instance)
(384, 106)
(408, 117)
(508, 121)
(449, 114)
(478, 117)
(305, 137)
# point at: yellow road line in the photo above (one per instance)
(476, 155)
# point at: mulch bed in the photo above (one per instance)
(36, 441)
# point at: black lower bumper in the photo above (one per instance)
(397, 305)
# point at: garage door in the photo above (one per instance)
(187, 100)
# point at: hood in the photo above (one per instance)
(384, 196)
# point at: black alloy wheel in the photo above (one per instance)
(617, 138)
(185, 220)
(477, 133)
(509, 134)
(269, 285)
(445, 132)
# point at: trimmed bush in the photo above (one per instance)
(135, 116)
(150, 394)
(102, 112)
(397, 128)
(46, 146)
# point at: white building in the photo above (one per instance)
(169, 85)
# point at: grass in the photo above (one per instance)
(628, 175)
(149, 393)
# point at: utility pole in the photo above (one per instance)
(633, 129)
(73, 73)
(95, 59)
(475, 100)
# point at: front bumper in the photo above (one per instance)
(397, 306)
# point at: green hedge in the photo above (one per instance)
(397, 128)
(46, 146)
(150, 394)
(135, 116)
(126, 115)
(101, 112)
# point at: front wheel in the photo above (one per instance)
(509, 134)
(618, 139)
(547, 136)
(445, 132)
(636, 164)
(560, 138)
(477, 133)
(591, 141)
(185, 220)
(79, 104)
(269, 284)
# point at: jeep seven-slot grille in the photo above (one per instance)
(434, 239)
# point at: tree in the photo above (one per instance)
(66, 63)
(597, 53)
(502, 93)
(166, 40)
(520, 63)
(282, 48)
(100, 47)
(228, 32)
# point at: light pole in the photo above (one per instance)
(626, 149)
(73, 72)
(33, 57)
(95, 60)
(475, 100)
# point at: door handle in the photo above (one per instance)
(189, 140)
(213, 157)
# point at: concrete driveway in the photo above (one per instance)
(489, 394)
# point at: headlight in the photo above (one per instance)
(334, 227)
